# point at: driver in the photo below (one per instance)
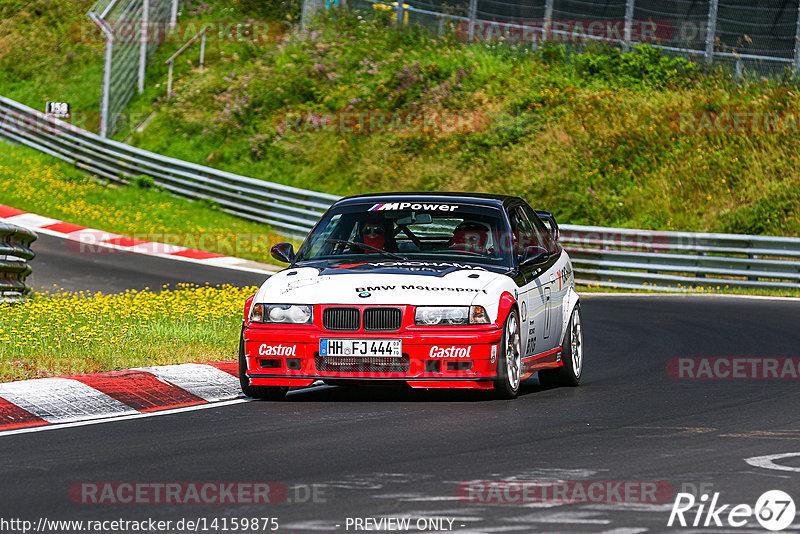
(470, 236)
(375, 233)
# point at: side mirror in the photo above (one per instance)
(283, 252)
(534, 255)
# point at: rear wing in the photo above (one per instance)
(550, 221)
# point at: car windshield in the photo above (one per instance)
(414, 231)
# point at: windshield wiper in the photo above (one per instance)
(366, 247)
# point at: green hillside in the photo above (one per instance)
(353, 105)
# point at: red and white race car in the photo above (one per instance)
(437, 290)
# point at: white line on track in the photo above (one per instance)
(123, 417)
(768, 462)
(588, 295)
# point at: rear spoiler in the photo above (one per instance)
(548, 218)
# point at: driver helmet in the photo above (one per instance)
(373, 232)
(470, 236)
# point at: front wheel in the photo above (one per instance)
(257, 392)
(571, 354)
(509, 364)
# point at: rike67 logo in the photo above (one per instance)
(774, 510)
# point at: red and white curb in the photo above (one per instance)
(87, 239)
(68, 399)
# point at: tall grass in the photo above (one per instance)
(594, 136)
(72, 333)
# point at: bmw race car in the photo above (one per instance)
(437, 290)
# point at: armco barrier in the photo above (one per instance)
(15, 252)
(625, 258)
(292, 210)
(629, 258)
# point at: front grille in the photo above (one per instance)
(349, 364)
(343, 319)
(382, 319)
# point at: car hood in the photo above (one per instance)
(415, 283)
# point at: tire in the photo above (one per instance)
(509, 363)
(571, 354)
(256, 392)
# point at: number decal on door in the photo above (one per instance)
(547, 307)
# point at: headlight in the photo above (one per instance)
(450, 315)
(281, 314)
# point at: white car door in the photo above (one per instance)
(536, 299)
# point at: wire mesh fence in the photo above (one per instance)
(760, 37)
(132, 31)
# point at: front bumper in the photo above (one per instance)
(283, 355)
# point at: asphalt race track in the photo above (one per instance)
(59, 262)
(398, 453)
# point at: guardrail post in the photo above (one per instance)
(548, 19)
(473, 15)
(169, 79)
(711, 30)
(203, 48)
(171, 61)
(107, 60)
(143, 35)
(401, 13)
(797, 42)
(628, 25)
(173, 15)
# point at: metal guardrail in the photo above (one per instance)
(289, 209)
(613, 257)
(15, 253)
(679, 261)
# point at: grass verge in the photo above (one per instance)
(600, 137)
(596, 137)
(42, 184)
(72, 333)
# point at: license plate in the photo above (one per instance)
(364, 348)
